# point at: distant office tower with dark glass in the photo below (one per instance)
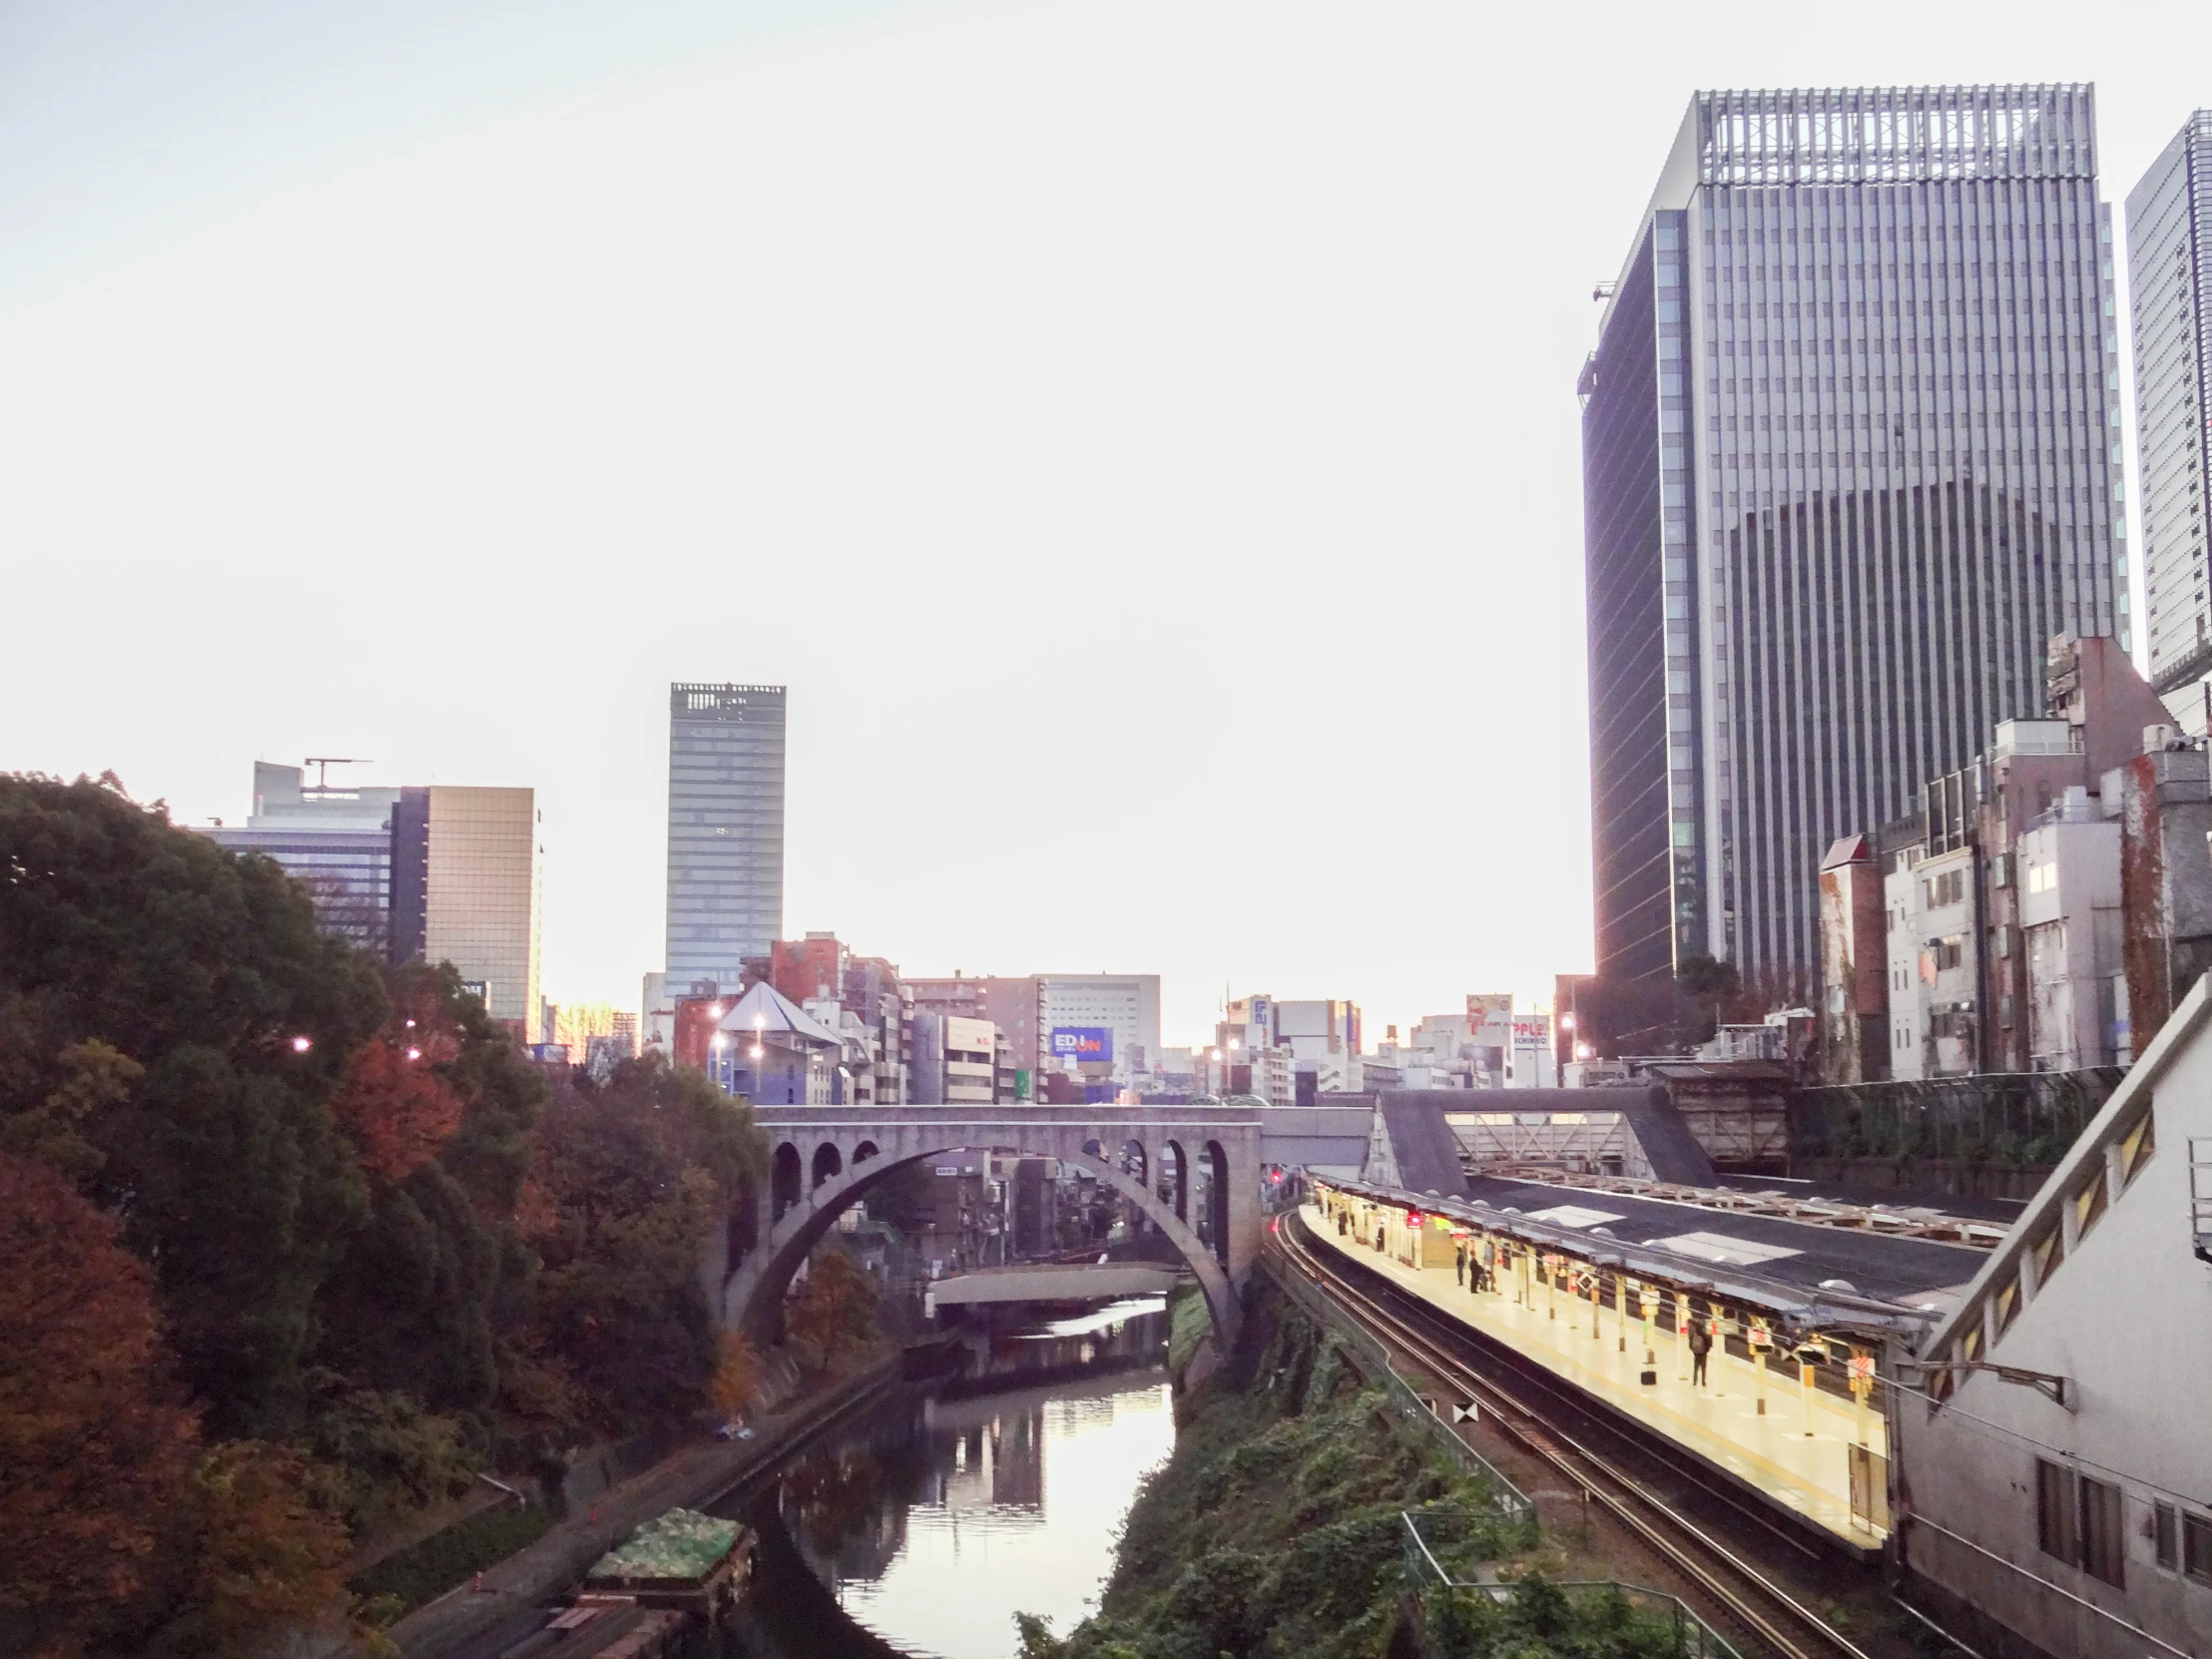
(2169, 263)
(1851, 458)
(725, 828)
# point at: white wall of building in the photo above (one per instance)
(2101, 1284)
(1934, 952)
(2069, 871)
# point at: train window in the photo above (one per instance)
(2166, 1531)
(2197, 1547)
(2136, 1151)
(1971, 1349)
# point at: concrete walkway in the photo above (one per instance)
(466, 1622)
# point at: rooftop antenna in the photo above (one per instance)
(323, 764)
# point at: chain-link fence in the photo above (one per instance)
(1666, 1622)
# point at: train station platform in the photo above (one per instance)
(1796, 1453)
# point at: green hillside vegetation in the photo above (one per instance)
(1276, 1529)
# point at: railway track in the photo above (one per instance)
(1748, 1599)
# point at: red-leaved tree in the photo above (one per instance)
(393, 1104)
(94, 1439)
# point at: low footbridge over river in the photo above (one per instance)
(825, 1158)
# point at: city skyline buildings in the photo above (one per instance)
(436, 872)
(580, 446)
(1852, 458)
(2169, 259)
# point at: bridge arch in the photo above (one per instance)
(829, 1164)
(1181, 1178)
(786, 1179)
(1217, 1198)
(751, 1296)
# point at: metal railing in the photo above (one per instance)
(1510, 1501)
(1693, 1637)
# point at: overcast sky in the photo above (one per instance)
(1142, 435)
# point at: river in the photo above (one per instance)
(953, 1508)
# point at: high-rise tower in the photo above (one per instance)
(1850, 461)
(2169, 269)
(725, 828)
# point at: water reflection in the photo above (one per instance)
(999, 1491)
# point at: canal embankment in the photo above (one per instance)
(510, 1594)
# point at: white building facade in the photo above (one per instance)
(2055, 1473)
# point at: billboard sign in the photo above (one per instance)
(1533, 1031)
(1083, 1042)
(1491, 1019)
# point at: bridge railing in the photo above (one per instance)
(1513, 1504)
(1693, 1638)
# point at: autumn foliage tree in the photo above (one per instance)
(121, 1533)
(93, 1434)
(393, 1105)
(740, 1382)
(832, 1316)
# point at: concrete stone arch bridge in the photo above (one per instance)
(825, 1158)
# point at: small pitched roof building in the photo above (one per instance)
(774, 1052)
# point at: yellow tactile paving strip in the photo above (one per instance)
(1721, 1421)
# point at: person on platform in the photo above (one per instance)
(1460, 1265)
(1701, 1345)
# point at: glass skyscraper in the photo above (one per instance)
(725, 828)
(1851, 458)
(2169, 266)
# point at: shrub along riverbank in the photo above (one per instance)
(1277, 1528)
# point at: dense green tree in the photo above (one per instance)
(172, 1010)
(628, 1183)
(439, 1109)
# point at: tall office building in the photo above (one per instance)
(1850, 461)
(334, 840)
(2169, 268)
(725, 829)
